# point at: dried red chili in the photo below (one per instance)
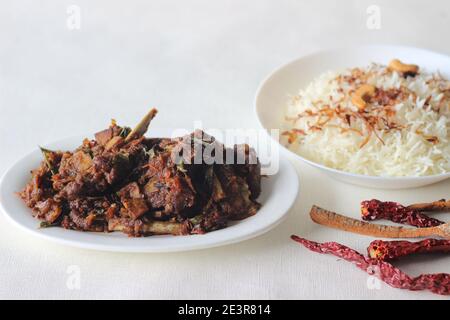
(389, 250)
(375, 209)
(436, 283)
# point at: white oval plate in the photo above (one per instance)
(279, 192)
(272, 97)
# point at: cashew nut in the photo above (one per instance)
(397, 65)
(362, 95)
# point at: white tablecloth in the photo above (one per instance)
(194, 60)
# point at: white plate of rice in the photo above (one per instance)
(398, 138)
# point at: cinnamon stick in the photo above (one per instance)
(337, 221)
(440, 205)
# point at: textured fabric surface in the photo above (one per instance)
(194, 60)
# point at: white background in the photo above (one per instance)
(194, 60)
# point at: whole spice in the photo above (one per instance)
(436, 283)
(337, 221)
(389, 250)
(440, 205)
(376, 209)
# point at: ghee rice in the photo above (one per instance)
(403, 131)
